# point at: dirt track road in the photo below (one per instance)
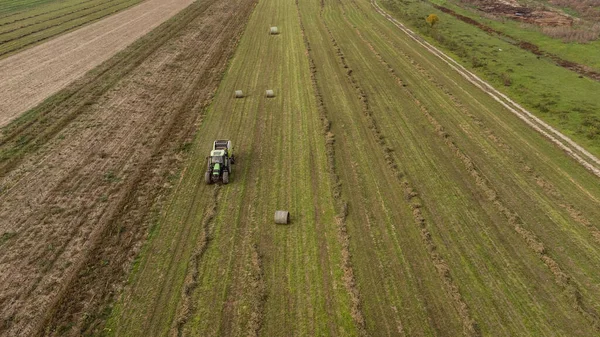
(33, 75)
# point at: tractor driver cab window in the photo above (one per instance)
(217, 159)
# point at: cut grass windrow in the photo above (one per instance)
(186, 308)
(336, 191)
(470, 327)
(26, 17)
(561, 278)
(33, 23)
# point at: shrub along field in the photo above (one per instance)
(420, 205)
(24, 23)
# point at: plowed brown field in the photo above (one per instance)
(80, 173)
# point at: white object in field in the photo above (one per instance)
(274, 31)
(270, 93)
(239, 94)
(282, 217)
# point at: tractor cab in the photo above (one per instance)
(217, 156)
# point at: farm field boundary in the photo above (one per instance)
(29, 28)
(31, 76)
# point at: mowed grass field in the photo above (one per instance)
(24, 23)
(420, 206)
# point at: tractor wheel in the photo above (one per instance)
(225, 177)
(207, 178)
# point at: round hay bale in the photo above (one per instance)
(282, 217)
(270, 93)
(239, 94)
(274, 31)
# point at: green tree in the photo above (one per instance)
(432, 19)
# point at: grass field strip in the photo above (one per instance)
(580, 154)
(16, 37)
(341, 205)
(469, 326)
(402, 324)
(59, 16)
(276, 279)
(26, 15)
(359, 69)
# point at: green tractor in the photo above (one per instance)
(219, 162)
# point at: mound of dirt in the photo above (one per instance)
(515, 11)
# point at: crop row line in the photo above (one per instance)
(52, 26)
(341, 205)
(546, 186)
(21, 46)
(561, 278)
(40, 14)
(55, 18)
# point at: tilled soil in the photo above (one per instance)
(30, 77)
(81, 175)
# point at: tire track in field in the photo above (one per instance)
(255, 278)
(561, 278)
(324, 248)
(341, 205)
(248, 284)
(257, 281)
(470, 327)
